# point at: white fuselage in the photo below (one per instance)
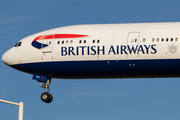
(100, 51)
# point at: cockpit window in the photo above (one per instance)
(18, 44)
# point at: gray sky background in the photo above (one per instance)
(110, 99)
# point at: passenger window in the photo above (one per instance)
(144, 39)
(176, 39)
(49, 42)
(62, 42)
(157, 39)
(58, 42)
(93, 41)
(167, 39)
(84, 41)
(135, 40)
(67, 42)
(80, 41)
(98, 41)
(171, 39)
(71, 41)
(153, 40)
(162, 39)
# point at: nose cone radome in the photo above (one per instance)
(7, 59)
(11, 57)
(4, 58)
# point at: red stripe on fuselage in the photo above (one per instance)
(56, 36)
(49, 37)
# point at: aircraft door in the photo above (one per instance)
(133, 38)
(132, 44)
(47, 49)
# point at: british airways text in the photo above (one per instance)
(101, 50)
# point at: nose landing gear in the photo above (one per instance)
(46, 97)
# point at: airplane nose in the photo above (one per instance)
(4, 58)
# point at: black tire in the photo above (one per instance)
(45, 97)
(51, 98)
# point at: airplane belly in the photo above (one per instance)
(105, 68)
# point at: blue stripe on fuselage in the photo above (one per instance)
(105, 68)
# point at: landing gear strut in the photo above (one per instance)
(46, 97)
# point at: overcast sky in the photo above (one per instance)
(110, 99)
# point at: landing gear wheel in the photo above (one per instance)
(51, 98)
(46, 97)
